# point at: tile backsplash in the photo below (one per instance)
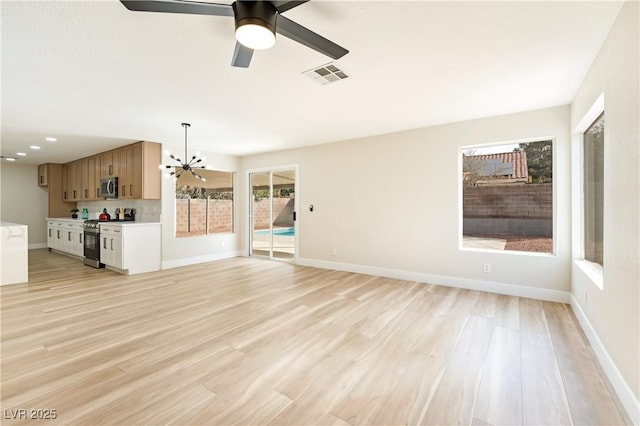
(146, 210)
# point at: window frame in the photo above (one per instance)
(554, 196)
(594, 271)
(207, 233)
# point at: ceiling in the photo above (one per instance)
(95, 75)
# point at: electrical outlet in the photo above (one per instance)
(486, 267)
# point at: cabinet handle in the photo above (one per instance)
(41, 179)
(124, 190)
(86, 193)
(68, 236)
(58, 234)
(65, 195)
(74, 193)
(97, 192)
(130, 190)
(110, 169)
(112, 244)
(80, 238)
(50, 232)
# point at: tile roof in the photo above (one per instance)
(517, 158)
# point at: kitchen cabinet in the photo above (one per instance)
(130, 248)
(143, 176)
(66, 235)
(111, 246)
(97, 176)
(72, 175)
(43, 175)
(51, 174)
(135, 166)
(84, 181)
(110, 163)
(125, 166)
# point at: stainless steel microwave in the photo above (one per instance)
(109, 187)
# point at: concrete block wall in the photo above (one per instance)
(522, 201)
(280, 208)
(220, 216)
(515, 209)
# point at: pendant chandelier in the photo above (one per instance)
(186, 165)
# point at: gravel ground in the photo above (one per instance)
(519, 243)
(522, 243)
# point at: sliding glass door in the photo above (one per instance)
(273, 214)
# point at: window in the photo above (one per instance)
(593, 184)
(507, 201)
(204, 208)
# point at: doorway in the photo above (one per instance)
(273, 214)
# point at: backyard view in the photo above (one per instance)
(508, 197)
(204, 207)
(272, 212)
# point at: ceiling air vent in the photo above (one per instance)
(327, 73)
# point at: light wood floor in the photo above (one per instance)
(247, 341)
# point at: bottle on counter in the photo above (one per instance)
(85, 213)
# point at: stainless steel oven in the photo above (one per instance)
(92, 244)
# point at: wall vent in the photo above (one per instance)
(325, 74)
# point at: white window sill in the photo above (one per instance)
(593, 271)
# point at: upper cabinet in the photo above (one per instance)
(139, 177)
(43, 175)
(135, 166)
(50, 176)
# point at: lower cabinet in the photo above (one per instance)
(131, 248)
(66, 236)
(111, 246)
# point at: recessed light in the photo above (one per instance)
(10, 159)
(34, 147)
(21, 154)
(50, 139)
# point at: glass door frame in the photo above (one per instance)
(249, 222)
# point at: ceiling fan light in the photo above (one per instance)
(255, 36)
(255, 23)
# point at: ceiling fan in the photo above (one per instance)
(256, 24)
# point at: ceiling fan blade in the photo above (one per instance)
(284, 5)
(305, 36)
(179, 6)
(241, 56)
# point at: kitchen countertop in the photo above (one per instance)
(111, 222)
(129, 223)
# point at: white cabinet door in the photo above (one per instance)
(66, 237)
(51, 235)
(106, 256)
(111, 246)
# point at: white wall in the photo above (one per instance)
(190, 250)
(613, 313)
(389, 205)
(23, 201)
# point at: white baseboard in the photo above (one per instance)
(37, 246)
(199, 259)
(626, 395)
(467, 283)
